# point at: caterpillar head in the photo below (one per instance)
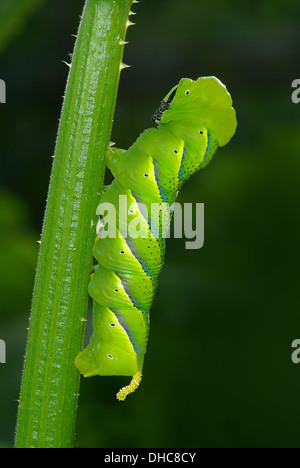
(204, 103)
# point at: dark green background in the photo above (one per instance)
(218, 370)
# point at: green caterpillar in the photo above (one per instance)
(193, 120)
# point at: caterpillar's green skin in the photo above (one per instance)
(190, 128)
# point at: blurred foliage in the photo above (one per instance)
(17, 256)
(13, 17)
(218, 370)
(17, 264)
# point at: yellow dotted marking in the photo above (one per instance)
(135, 382)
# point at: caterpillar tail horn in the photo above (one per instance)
(135, 382)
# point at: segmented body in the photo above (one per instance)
(151, 171)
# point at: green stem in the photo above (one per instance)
(50, 384)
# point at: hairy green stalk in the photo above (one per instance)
(50, 384)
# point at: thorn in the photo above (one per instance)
(66, 63)
(39, 242)
(131, 13)
(129, 23)
(121, 42)
(135, 1)
(123, 65)
(53, 156)
(111, 143)
(83, 319)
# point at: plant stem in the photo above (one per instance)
(50, 383)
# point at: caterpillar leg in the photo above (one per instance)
(135, 382)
